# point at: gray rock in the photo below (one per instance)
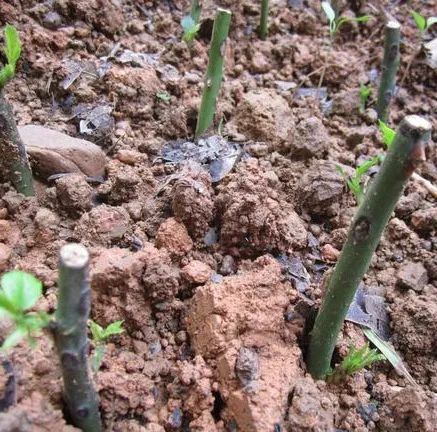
(52, 20)
(412, 276)
(247, 368)
(52, 152)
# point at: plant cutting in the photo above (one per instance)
(403, 156)
(335, 23)
(390, 66)
(264, 17)
(70, 331)
(214, 72)
(14, 164)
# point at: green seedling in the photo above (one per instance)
(405, 154)
(100, 336)
(12, 51)
(388, 134)
(365, 92)
(335, 22)
(19, 292)
(190, 27)
(163, 96)
(355, 183)
(355, 360)
(422, 23)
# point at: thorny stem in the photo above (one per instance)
(263, 27)
(214, 73)
(406, 152)
(14, 164)
(390, 66)
(71, 337)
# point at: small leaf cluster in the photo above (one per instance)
(422, 23)
(19, 292)
(336, 22)
(388, 134)
(190, 27)
(355, 183)
(163, 96)
(12, 50)
(355, 360)
(99, 337)
(365, 92)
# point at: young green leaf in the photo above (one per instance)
(355, 360)
(15, 337)
(388, 134)
(419, 20)
(113, 329)
(329, 12)
(12, 45)
(365, 92)
(163, 95)
(430, 21)
(191, 28)
(96, 331)
(22, 289)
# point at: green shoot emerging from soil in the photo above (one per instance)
(336, 22)
(100, 336)
(365, 92)
(19, 292)
(355, 360)
(355, 183)
(191, 28)
(388, 134)
(163, 96)
(422, 23)
(12, 51)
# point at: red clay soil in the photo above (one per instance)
(214, 325)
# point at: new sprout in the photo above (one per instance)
(100, 336)
(19, 292)
(335, 23)
(365, 92)
(404, 155)
(190, 23)
(355, 183)
(163, 96)
(355, 360)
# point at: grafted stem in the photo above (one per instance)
(71, 337)
(406, 152)
(214, 73)
(390, 65)
(14, 165)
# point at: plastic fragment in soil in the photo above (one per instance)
(369, 311)
(216, 154)
(94, 121)
(295, 272)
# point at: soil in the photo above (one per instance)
(215, 328)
